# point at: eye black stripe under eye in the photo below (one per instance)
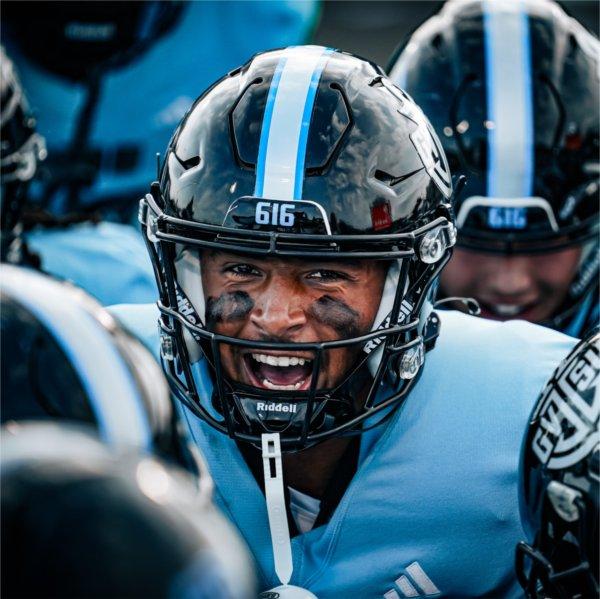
(228, 307)
(337, 314)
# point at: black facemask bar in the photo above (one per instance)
(538, 576)
(541, 581)
(163, 232)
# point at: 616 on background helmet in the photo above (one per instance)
(512, 89)
(303, 153)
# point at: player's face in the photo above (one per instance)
(525, 287)
(289, 301)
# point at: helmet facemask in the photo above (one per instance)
(388, 356)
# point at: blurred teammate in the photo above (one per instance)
(81, 521)
(110, 81)
(64, 358)
(301, 222)
(106, 259)
(512, 89)
(560, 473)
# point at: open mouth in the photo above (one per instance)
(505, 311)
(278, 372)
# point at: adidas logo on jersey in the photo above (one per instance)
(413, 583)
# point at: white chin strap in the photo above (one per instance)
(278, 523)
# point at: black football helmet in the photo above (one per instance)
(512, 88)
(20, 150)
(312, 153)
(82, 42)
(560, 482)
(77, 40)
(94, 523)
(65, 358)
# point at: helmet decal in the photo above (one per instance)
(425, 140)
(509, 104)
(567, 413)
(284, 132)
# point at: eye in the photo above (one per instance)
(323, 275)
(242, 270)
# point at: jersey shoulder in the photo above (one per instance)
(508, 360)
(108, 260)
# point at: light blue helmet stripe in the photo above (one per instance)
(286, 122)
(110, 387)
(509, 101)
(308, 107)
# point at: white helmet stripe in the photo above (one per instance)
(284, 132)
(509, 101)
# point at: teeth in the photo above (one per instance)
(269, 385)
(283, 361)
(507, 309)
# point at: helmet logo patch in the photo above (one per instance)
(568, 414)
(425, 141)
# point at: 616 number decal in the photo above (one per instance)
(273, 213)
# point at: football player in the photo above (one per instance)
(559, 485)
(81, 521)
(106, 259)
(512, 90)
(364, 445)
(90, 72)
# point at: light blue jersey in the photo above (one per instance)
(108, 260)
(432, 510)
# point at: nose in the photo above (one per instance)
(278, 310)
(513, 277)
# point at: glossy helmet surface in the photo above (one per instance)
(20, 150)
(66, 358)
(512, 89)
(309, 153)
(100, 523)
(559, 481)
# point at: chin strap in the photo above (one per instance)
(280, 533)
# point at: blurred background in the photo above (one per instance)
(373, 29)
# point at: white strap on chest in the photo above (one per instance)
(280, 533)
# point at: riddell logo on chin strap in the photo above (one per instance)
(276, 407)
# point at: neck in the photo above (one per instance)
(308, 471)
(311, 470)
